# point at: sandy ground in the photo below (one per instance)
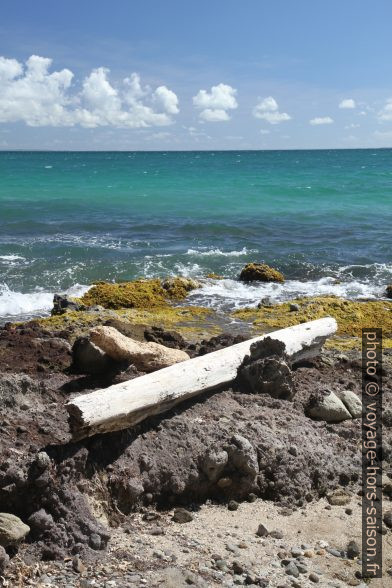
(192, 553)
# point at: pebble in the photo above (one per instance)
(181, 515)
(352, 550)
(276, 534)
(157, 531)
(233, 505)
(309, 553)
(296, 552)
(238, 568)
(302, 568)
(348, 511)
(292, 570)
(78, 566)
(314, 578)
(262, 531)
(334, 552)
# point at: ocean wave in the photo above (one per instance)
(11, 258)
(230, 294)
(219, 252)
(36, 303)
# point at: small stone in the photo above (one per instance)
(233, 505)
(348, 511)
(262, 531)
(252, 497)
(95, 541)
(181, 515)
(276, 534)
(314, 578)
(157, 531)
(301, 568)
(77, 565)
(334, 552)
(42, 460)
(296, 552)
(221, 565)
(292, 570)
(339, 498)
(294, 307)
(352, 550)
(238, 568)
(321, 552)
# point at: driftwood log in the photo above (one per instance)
(126, 404)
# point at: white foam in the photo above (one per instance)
(11, 258)
(231, 294)
(36, 303)
(219, 252)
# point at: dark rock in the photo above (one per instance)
(40, 521)
(181, 515)
(233, 505)
(95, 541)
(87, 358)
(388, 291)
(314, 578)
(166, 338)
(266, 302)
(262, 531)
(267, 370)
(62, 304)
(294, 307)
(238, 568)
(352, 550)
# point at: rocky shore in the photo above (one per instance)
(233, 487)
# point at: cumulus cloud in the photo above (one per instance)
(214, 105)
(321, 120)
(385, 113)
(347, 103)
(30, 93)
(268, 109)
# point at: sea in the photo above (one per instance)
(67, 219)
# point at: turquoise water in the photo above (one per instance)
(69, 218)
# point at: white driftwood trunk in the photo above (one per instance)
(124, 405)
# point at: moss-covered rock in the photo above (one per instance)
(352, 316)
(139, 293)
(213, 276)
(260, 272)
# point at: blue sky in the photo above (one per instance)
(195, 75)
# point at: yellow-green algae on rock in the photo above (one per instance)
(139, 293)
(260, 272)
(351, 316)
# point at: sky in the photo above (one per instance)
(176, 74)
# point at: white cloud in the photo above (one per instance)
(31, 94)
(385, 113)
(352, 126)
(321, 120)
(264, 132)
(347, 103)
(268, 109)
(214, 105)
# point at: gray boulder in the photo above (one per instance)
(12, 529)
(19, 390)
(326, 406)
